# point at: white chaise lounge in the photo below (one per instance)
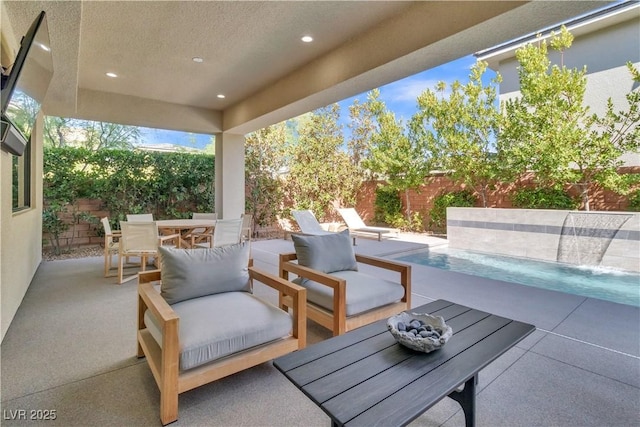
(357, 225)
(309, 225)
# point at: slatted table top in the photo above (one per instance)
(365, 378)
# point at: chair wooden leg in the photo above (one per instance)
(169, 374)
(107, 261)
(168, 407)
(120, 269)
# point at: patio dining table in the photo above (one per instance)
(184, 228)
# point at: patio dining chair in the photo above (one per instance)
(111, 242)
(202, 235)
(247, 226)
(140, 217)
(227, 232)
(139, 239)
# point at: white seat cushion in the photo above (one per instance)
(363, 292)
(218, 325)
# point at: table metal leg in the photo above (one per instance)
(467, 399)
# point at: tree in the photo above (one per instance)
(363, 127)
(396, 157)
(110, 135)
(264, 162)
(460, 129)
(550, 132)
(320, 172)
(61, 132)
(55, 131)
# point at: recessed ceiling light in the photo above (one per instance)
(113, 75)
(197, 59)
(221, 96)
(307, 39)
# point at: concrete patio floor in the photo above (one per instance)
(71, 348)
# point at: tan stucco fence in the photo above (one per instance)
(594, 238)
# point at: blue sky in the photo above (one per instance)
(399, 97)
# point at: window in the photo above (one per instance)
(21, 180)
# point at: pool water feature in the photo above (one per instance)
(593, 282)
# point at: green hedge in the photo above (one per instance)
(169, 185)
(543, 198)
(438, 214)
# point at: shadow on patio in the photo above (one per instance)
(71, 349)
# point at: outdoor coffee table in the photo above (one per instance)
(365, 378)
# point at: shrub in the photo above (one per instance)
(438, 214)
(387, 205)
(543, 198)
(400, 221)
(634, 201)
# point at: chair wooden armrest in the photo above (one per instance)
(337, 320)
(286, 267)
(206, 236)
(169, 237)
(403, 269)
(298, 295)
(150, 298)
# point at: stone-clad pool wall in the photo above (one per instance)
(608, 239)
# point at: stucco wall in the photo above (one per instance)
(589, 238)
(20, 233)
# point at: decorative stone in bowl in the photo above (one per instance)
(421, 332)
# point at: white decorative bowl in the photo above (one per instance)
(424, 344)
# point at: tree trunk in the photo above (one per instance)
(483, 193)
(408, 212)
(584, 194)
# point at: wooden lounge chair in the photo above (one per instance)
(357, 225)
(193, 330)
(339, 297)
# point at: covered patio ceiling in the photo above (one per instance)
(253, 54)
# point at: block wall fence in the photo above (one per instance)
(421, 201)
(500, 197)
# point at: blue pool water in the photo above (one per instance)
(593, 282)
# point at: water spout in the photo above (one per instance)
(585, 237)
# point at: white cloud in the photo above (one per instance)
(410, 88)
(407, 89)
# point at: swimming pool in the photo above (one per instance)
(593, 282)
